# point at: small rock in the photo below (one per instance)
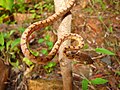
(41, 84)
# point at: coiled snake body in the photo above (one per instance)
(37, 25)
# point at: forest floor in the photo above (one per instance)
(97, 22)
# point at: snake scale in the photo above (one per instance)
(41, 24)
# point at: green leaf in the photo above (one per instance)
(8, 44)
(14, 64)
(43, 51)
(117, 72)
(34, 53)
(21, 29)
(51, 64)
(2, 3)
(99, 81)
(32, 11)
(102, 4)
(84, 84)
(104, 51)
(100, 18)
(15, 43)
(111, 29)
(50, 44)
(40, 40)
(6, 35)
(9, 4)
(1, 39)
(86, 46)
(11, 32)
(46, 67)
(47, 37)
(1, 48)
(27, 61)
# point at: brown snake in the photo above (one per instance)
(40, 24)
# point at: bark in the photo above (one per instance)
(65, 64)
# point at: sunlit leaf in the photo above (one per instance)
(35, 53)
(2, 3)
(6, 35)
(50, 44)
(8, 44)
(1, 39)
(99, 81)
(104, 51)
(15, 43)
(44, 51)
(84, 84)
(1, 48)
(51, 64)
(47, 37)
(46, 67)
(27, 61)
(9, 4)
(110, 29)
(40, 40)
(11, 32)
(14, 64)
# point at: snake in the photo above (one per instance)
(24, 43)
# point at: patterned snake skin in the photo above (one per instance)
(41, 24)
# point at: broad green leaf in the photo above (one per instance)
(1, 48)
(27, 61)
(9, 4)
(44, 51)
(47, 37)
(8, 44)
(6, 35)
(50, 44)
(15, 43)
(104, 51)
(46, 67)
(14, 64)
(40, 40)
(34, 53)
(99, 81)
(1, 39)
(11, 32)
(51, 64)
(32, 11)
(2, 3)
(111, 29)
(84, 84)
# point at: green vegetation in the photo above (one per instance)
(104, 51)
(47, 41)
(9, 7)
(97, 10)
(9, 47)
(96, 81)
(49, 67)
